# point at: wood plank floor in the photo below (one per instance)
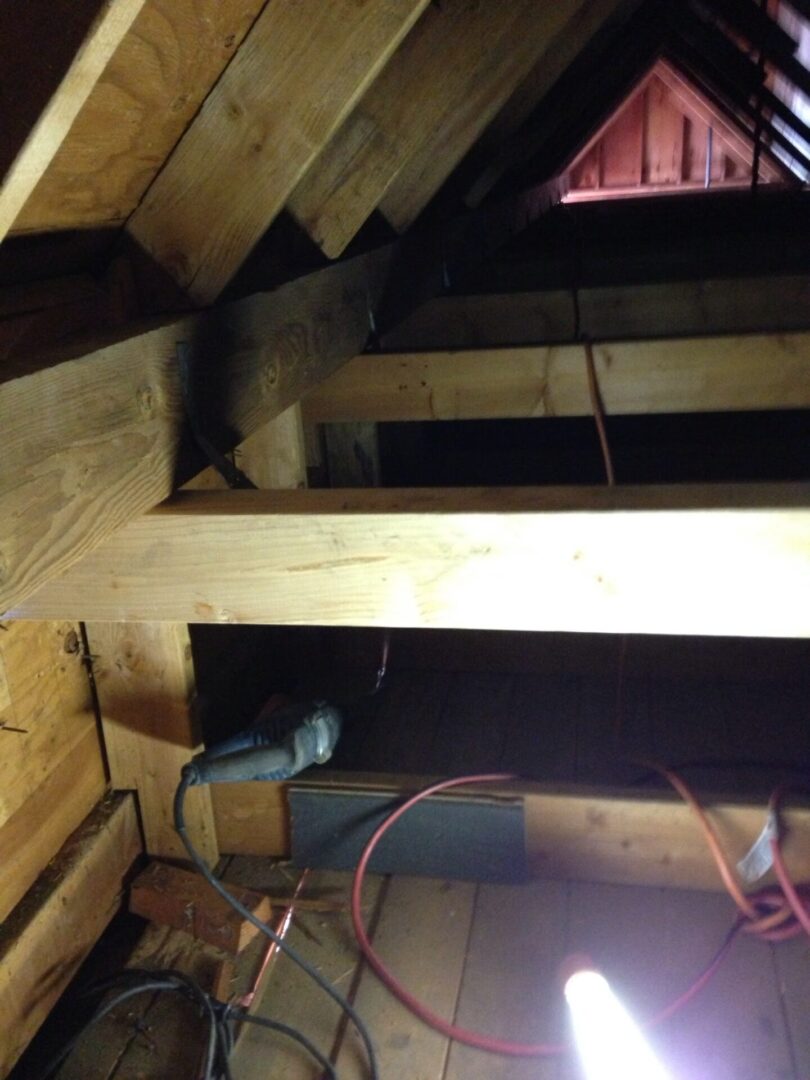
(488, 955)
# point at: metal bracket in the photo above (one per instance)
(231, 474)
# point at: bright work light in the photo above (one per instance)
(610, 1045)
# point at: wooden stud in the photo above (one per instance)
(688, 375)
(682, 559)
(506, 135)
(45, 707)
(298, 74)
(48, 936)
(112, 21)
(145, 681)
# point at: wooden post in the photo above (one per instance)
(145, 680)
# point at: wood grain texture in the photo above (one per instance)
(252, 818)
(296, 77)
(166, 64)
(549, 35)
(438, 916)
(275, 455)
(44, 692)
(35, 832)
(145, 682)
(714, 559)
(90, 443)
(113, 20)
(51, 932)
(689, 375)
(573, 832)
(710, 306)
(515, 950)
(423, 113)
(183, 899)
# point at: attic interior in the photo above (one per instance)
(399, 393)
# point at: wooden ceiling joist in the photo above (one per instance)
(112, 20)
(448, 79)
(295, 78)
(687, 375)
(91, 442)
(722, 559)
(608, 312)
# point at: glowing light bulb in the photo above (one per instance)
(610, 1045)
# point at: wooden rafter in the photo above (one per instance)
(151, 90)
(424, 112)
(107, 30)
(298, 74)
(685, 559)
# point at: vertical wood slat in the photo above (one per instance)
(145, 680)
(45, 695)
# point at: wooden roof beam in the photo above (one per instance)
(684, 559)
(149, 93)
(109, 25)
(446, 82)
(296, 77)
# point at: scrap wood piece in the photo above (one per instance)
(185, 901)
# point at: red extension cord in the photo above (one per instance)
(774, 914)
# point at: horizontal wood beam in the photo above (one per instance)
(110, 24)
(686, 375)
(710, 306)
(684, 559)
(575, 833)
(53, 929)
(90, 443)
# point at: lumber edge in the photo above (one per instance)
(51, 931)
(573, 832)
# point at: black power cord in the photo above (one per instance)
(221, 1019)
(180, 826)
